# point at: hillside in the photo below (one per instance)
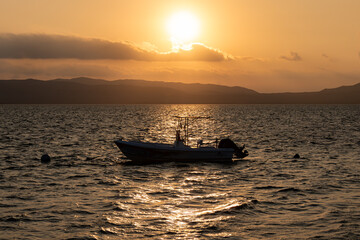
(129, 91)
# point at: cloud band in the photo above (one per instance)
(42, 46)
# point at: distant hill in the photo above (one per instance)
(130, 91)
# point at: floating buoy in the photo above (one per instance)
(45, 158)
(296, 156)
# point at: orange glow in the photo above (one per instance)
(292, 46)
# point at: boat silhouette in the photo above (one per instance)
(180, 151)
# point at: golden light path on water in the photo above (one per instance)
(176, 207)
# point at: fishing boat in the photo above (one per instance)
(180, 151)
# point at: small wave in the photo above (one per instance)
(284, 175)
(9, 228)
(231, 208)
(7, 205)
(80, 226)
(109, 183)
(26, 144)
(71, 212)
(82, 238)
(20, 197)
(270, 203)
(210, 229)
(14, 168)
(120, 223)
(60, 165)
(16, 218)
(291, 189)
(53, 184)
(267, 187)
(119, 209)
(7, 187)
(77, 176)
(83, 212)
(70, 145)
(107, 231)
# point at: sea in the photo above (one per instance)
(89, 191)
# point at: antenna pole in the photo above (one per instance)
(185, 127)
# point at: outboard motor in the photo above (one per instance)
(238, 151)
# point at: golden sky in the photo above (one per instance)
(265, 45)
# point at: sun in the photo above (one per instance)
(183, 28)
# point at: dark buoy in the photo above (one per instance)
(296, 156)
(45, 158)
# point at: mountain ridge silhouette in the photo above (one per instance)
(85, 90)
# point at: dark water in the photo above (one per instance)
(87, 193)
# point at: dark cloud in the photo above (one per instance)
(41, 46)
(294, 56)
(325, 56)
(54, 46)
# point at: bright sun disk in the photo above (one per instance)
(183, 27)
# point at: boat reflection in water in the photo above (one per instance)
(145, 152)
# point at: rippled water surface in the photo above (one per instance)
(86, 192)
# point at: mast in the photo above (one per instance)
(183, 125)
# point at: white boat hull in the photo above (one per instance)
(141, 152)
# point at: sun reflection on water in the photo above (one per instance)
(184, 203)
